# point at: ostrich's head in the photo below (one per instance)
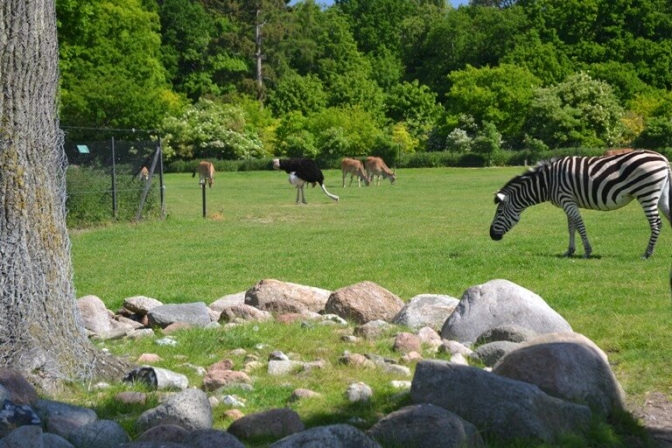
(276, 164)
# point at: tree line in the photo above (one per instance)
(241, 79)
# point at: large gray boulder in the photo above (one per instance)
(568, 366)
(195, 314)
(283, 297)
(497, 303)
(274, 423)
(425, 425)
(364, 302)
(505, 408)
(101, 434)
(332, 436)
(426, 310)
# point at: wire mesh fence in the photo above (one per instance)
(113, 175)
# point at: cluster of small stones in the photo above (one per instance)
(503, 326)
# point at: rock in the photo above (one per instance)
(454, 347)
(426, 310)
(406, 343)
(189, 409)
(278, 368)
(164, 433)
(364, 302)
(20, 391)
(372, 329)
(13, 416)
(511, 333)
(358, 392)
(228, 301)
(94, 314)
(23, 437)
(62, 418)
(284, 297)
(245, 313)
(301, 394)
(497, 303)
(195, 314)
(491, 352)
(211, 438)
(505, 408)
(430, 338)
(274, 423)
(140, 304)
(99, 434)
(215, 379)
(567, 366)
(333, 436)
(131, 397)
(425, 425)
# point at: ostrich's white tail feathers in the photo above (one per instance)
(332, 196)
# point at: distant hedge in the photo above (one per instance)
(417, 160)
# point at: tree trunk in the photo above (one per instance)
(40, 330)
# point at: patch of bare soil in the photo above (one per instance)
(656, 416)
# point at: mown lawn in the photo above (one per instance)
(426, 234)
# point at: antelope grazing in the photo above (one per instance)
(144, 173)
(617, 151)
(206, 172)
(375, 166)
(355, 168)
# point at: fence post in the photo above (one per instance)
(114, 183)
(202, 182)
(162, 187)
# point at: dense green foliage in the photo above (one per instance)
(384, 77)
(426, 234)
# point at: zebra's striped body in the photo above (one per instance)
(596, 183)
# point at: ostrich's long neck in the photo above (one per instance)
(332, 196)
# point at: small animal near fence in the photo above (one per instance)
(113, 174)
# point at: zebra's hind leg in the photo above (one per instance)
(655, 223)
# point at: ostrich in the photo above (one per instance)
(301, 172)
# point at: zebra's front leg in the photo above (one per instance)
(574, 223)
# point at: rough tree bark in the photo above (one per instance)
(40, 330)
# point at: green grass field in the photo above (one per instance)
(429, 233)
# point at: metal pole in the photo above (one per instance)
(114, 183)
(203, 189)
(161, 185)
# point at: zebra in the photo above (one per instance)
(595, 183)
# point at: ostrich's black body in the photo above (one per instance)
(305, 169)
(301, 172)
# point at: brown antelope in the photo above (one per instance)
(375, 166)
(206, 172)
(355, 168)
(617, 151)
(144, 173)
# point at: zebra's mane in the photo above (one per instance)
(532, 172)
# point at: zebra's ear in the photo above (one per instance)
(499, 197)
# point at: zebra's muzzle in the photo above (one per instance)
(495, 236)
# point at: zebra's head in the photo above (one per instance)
(506, 216)
(519, 193)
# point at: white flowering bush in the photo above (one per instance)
(210, 130)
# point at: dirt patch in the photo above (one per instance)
(656, 416)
